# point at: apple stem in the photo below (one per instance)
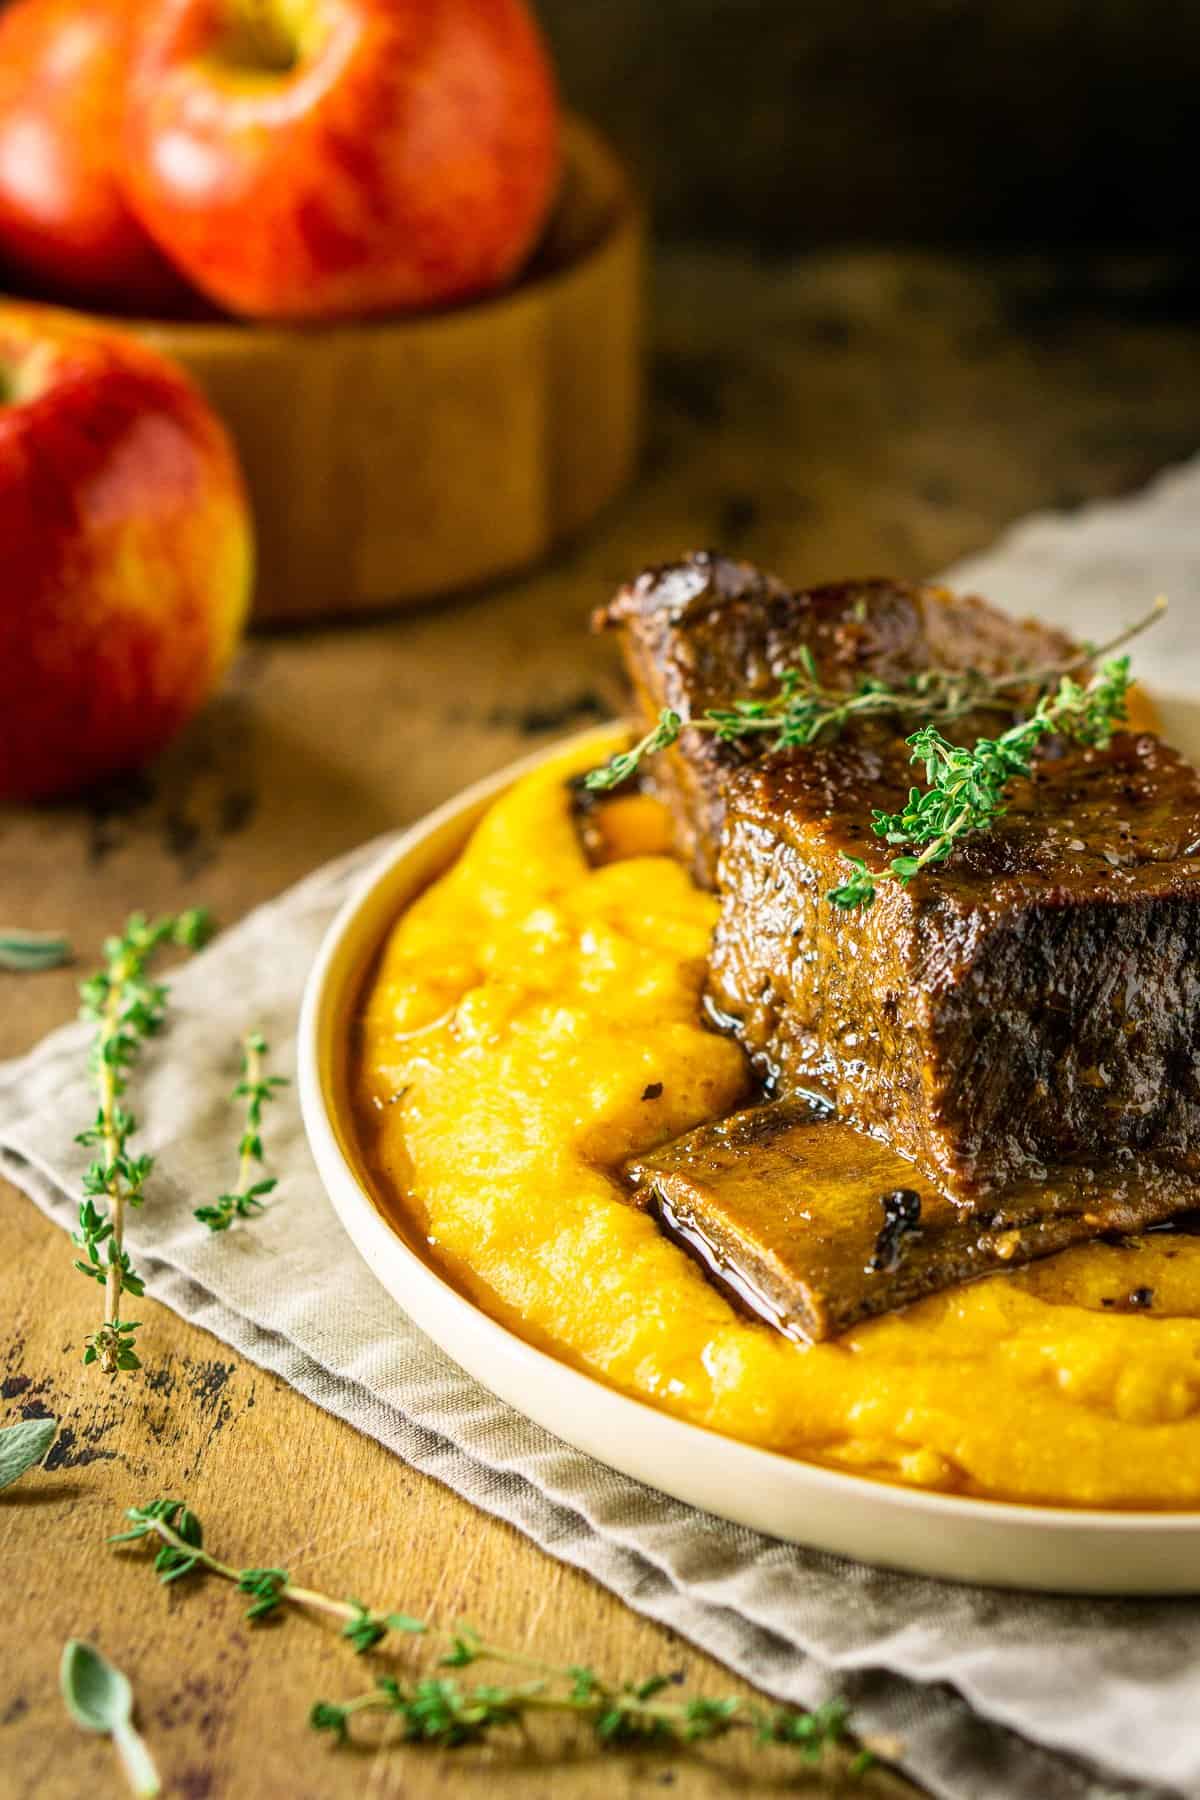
(266, 42)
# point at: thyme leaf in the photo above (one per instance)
(127, 1008)
(803, 709)
(182, 1551)
(256, 1089)
(442, 1711)
(438, 1709)
(965, 788)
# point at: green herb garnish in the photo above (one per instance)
(804, 710)
(126, 1008)
(182, 1552)
(100, 1699)
(442, 1711)
(256, 1089)
(22, 1447)
(28, 952)
(965, 788)
(437, 1709)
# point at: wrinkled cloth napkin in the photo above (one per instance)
(992, 1694)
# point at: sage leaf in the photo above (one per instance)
(25, 952)
(100, 1699)
(22, 1447)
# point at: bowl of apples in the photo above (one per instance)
(407, 282)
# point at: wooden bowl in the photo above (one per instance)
(395, 460)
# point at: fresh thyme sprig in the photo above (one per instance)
(127, 1008)
(182, 1552)
(256, 1089)
(965, 787)
(803, 709)
(442, 1711)
(439, 1710)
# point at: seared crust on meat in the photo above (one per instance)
(698, 633)
(1031, 1004)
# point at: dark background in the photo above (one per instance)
(786, 123)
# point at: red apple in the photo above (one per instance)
(64, 223)
(126, 546)
(317, 159)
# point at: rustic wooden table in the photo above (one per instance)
(844, 415)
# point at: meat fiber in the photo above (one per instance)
(1032, 1004)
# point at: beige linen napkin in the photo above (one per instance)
(994, 1695)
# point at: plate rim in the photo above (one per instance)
(432, 1294)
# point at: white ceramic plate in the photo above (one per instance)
(931, 1534)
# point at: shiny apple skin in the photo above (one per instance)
(127, 552)
(407, 161)
(65, 228)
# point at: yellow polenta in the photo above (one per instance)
(521, 1009)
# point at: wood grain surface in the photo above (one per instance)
(836, 416)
